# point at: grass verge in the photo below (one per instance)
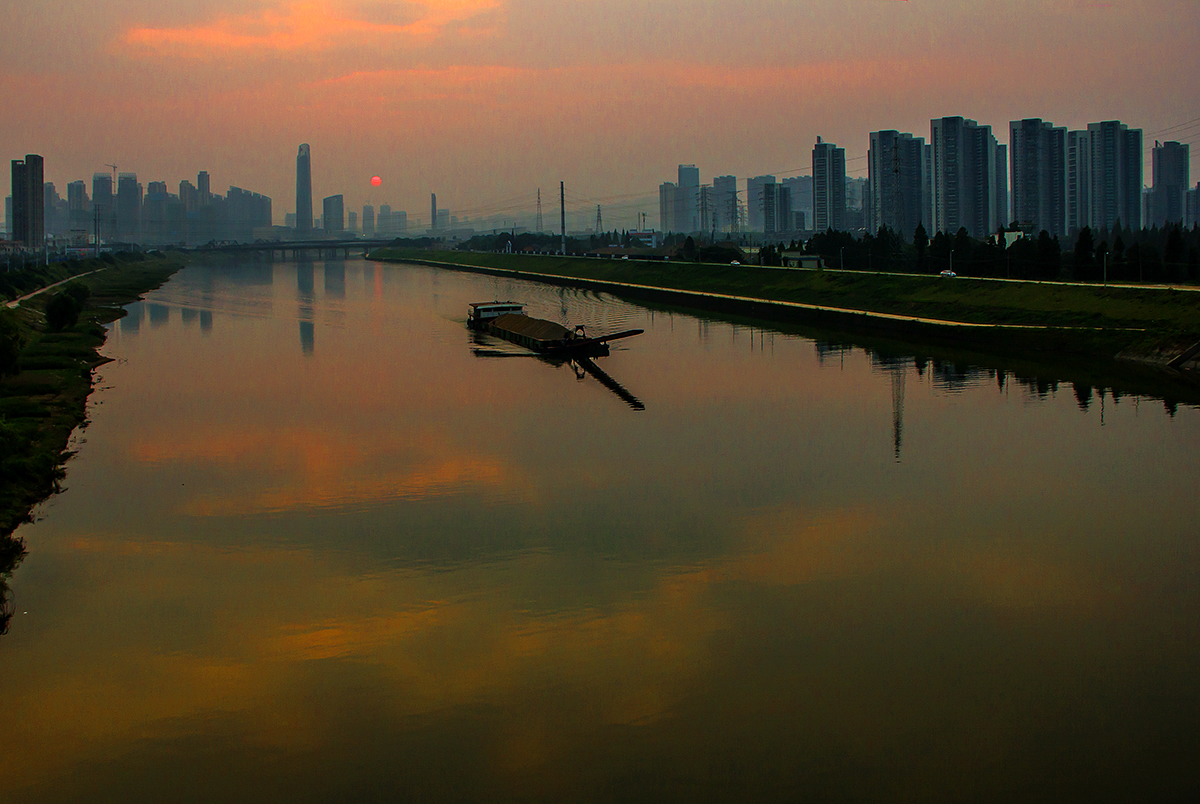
(1095, 320)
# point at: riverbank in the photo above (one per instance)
(45, 400)
(1148, 324)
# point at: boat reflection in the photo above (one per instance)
(582, 365)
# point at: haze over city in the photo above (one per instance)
(484, 101)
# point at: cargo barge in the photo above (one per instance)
(508, 320)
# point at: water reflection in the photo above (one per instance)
(274, 586)
(12, 551)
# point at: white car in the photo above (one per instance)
(948, 274)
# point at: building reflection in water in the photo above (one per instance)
(307, 301)
(335, 280)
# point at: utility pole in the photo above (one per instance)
(562, 211)
(539, 215)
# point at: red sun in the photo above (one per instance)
(376, 181)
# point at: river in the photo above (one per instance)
(320, 542)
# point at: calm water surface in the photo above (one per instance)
(320, 543)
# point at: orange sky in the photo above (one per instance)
(484, 101)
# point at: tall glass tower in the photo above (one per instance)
(304, 218)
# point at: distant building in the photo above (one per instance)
(352, 221)
(443, 220)
(204, 188)
(970, 178)
(333, 214)
(433, 212)
(755, 210)
(1079, 181)
(1171, 169)
(103, 204)
(1191, 207)
(801, 188)
(897, 187)
(777, 208)
(189, 196)
(28, 207)
(304, 207)
(129, 208)
(78, 207)
(829, 186)
(368, 220)
(1116, 175)
(244, 212)
(1038, 151)
(725, 204)
(687, 199)
(667, 193)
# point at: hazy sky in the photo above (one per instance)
(484, 101)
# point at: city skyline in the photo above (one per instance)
(484, 100)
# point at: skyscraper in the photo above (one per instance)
(433, 212)
(1116, 174)
(333, 214)
(204, 189)
(1172, 179)
(970, 178)
(129, 208)
(1079, 181)
(829, 186)
(1039, 176)
(687, 199)
(304, 208)
(897, 195)
(28, 194)
(368, 220)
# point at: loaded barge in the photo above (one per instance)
(507, 320)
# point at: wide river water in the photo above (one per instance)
(321, 543)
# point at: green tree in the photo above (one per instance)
(10, 344)
(62, 311)
(1085, 246)
(921, 242)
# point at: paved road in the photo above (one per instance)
(17, 301)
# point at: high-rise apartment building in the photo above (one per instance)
(1079, 181)
(970, 178)
(78, 207)
(304, 207)
(368, 220)
(333, 214)
(802, 195)
(687, 199)
(777, 208)
(897, 187)
(433, 212)
(725, 203)
(129, 208)
(1116, 174)
(1171, 171)
(667, 193)
(1039, 176)
(189, 196)
(829, 186)
(28, 206)
(755, 205)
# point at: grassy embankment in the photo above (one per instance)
(46, 399)
(1090, 320)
